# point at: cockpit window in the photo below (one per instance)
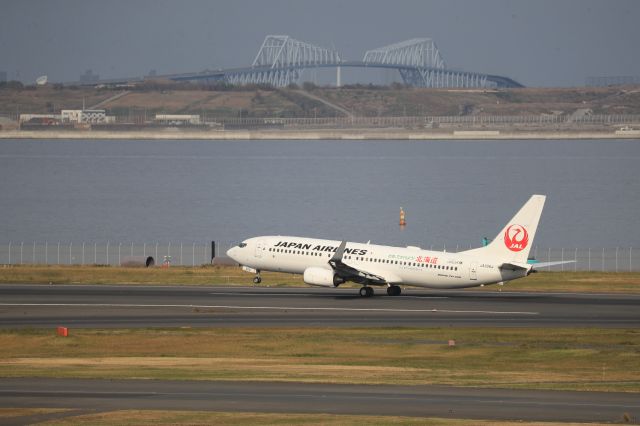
(242, 245)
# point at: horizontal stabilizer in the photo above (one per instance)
(548, 264)
(513, 267)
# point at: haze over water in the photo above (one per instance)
(197, 191)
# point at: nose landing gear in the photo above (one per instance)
(257, 279)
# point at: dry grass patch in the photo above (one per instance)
(157, 417)
(596, 282)
(573, 359)
(7, 413)
(177, 275)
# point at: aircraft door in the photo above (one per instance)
(473, 271)
(259, 248)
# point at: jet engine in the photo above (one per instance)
(321, 277)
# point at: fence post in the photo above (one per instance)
(575, 260)
(616, 259)
(169, 249)
(21, 250)
(83, 253)
(95, 253)
(46, 254)
(33, 258)
(144, 251)
(58, 252)
(562, 259)
(107, 252)
(181, 264)
(630, 267)
(10, 255)
(131, 249)
(549, 258)
(70, 245)
(602, 259)
(589, 268)
(193, 255)
(156, 252)
(119, 249)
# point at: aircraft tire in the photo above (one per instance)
(366, 291)
(257, 280)
(394, 290)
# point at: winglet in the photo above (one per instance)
(337, 256)
(336, 259)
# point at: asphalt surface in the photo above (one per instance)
(415, 401)
(144, 306)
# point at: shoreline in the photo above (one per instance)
(361, 134)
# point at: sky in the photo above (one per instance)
(541, 43)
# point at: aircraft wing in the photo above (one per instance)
(359, 275)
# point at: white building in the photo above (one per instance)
(177, 119)
(84, 116)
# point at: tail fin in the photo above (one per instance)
(514, 242)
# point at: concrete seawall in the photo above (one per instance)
(319, 135)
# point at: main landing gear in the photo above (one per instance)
(366, 291)
(394, 290)
(257, 279)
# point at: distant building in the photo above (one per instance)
(177, 119)
(93, 116)
(613, 80)
(89, 77)
(3, 76)
(48, 119)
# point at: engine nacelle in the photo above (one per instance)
(321, 277)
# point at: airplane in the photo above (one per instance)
(329, 263)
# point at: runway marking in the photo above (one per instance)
(277, 308)
(314, 294)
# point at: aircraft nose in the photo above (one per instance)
(232, 253)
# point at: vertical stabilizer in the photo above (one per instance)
(515, 240)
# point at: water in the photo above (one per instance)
(454, 193)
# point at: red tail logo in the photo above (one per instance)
(516, 238)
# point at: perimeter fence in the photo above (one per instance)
(604, 259)
(142, 118)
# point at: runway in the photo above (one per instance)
(414, 401)
(154, 306)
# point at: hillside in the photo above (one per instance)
(368, 101)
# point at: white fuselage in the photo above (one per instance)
(410, 266)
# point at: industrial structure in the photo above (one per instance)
(282, 59)
(615, 80)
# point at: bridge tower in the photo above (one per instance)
(281, 60)
(420, 64)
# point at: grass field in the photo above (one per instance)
(568, 359)
(599, 282)
(136, 417)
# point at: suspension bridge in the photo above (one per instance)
(282, 59)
